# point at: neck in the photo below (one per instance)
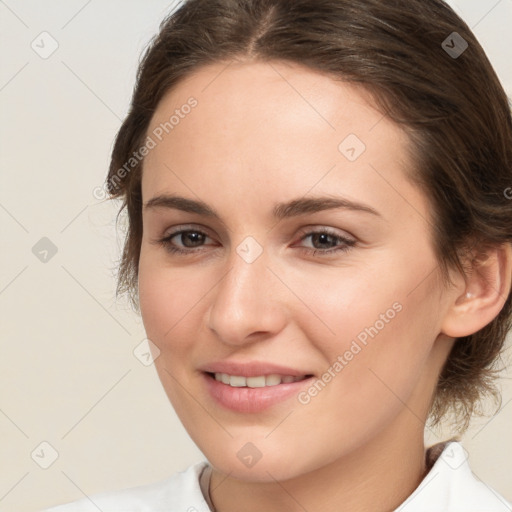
(378, 476)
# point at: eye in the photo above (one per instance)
(324, 241)
(188, 238)
(327, 242)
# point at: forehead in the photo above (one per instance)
(276, 127)
(262, 97)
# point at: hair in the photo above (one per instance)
(453, 108)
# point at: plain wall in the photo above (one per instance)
(68, 373)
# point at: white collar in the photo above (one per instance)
(449, 486)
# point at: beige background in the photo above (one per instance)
(69, 376)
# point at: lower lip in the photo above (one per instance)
(250, 400)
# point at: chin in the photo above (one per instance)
(275, 468)
(275, 461)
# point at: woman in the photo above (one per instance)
(319, 243)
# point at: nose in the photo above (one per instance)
(248, 304)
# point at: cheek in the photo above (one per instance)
(381, 354)
(375, 331)
(343, 303)
(168, 304)
(167, 299)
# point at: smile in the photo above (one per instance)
(253, 394)
(259, 381)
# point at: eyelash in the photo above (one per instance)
(348, 243)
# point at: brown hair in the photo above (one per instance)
(451, 105)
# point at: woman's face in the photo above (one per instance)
(304, 251)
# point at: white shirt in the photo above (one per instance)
(449, 486)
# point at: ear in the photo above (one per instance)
(480, 295)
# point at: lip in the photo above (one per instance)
(252, 400)
(251, 369)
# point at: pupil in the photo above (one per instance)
(321, 238)
(194, 237)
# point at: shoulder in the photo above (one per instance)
(451, 486)
(179, 492)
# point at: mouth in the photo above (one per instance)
(259, 381)
(256, 393)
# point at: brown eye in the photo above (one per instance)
(326, 242)
(190, 238)
(184, 240)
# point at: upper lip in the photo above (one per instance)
(251, 369)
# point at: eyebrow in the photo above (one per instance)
(280, 211)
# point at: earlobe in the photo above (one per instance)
(483, 293)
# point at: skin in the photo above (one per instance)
(261, 134)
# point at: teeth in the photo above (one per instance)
(254, 382)
(274, 380)
(238, 381)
